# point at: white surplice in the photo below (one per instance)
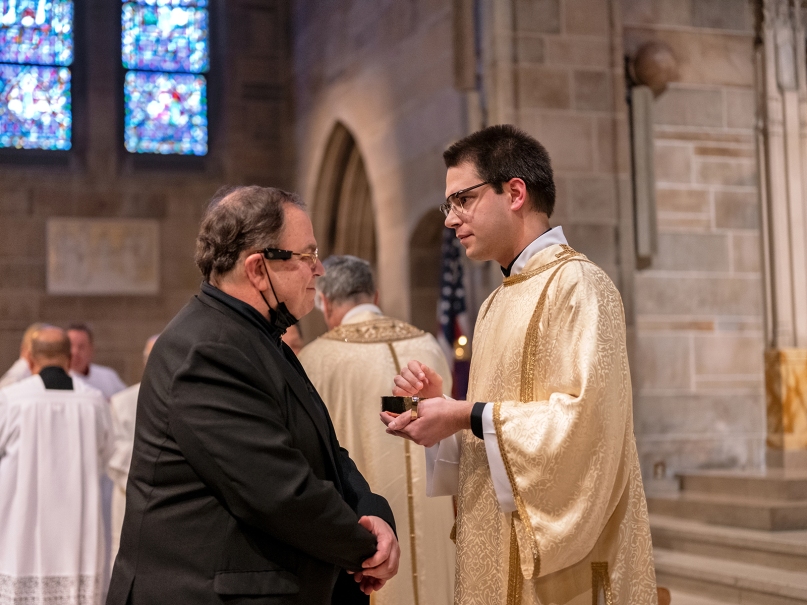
(102, 378)
(17, 371)
(54, 446)
(124, 410)
(109, 383)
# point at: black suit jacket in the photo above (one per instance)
(238, 490)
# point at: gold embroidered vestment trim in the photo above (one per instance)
(515, 579)
(565, 254)
(600, 579)
(410, 494)
(381, 330)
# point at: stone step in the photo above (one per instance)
(735, 511)
(729, 581)
(769, 484)
(685, 598)
(781, 550)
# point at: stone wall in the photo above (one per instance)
(405, 80)
(568, 91)
(251, 142)
(695, 314)
(698, 360)
(383, 69)
(388, 71)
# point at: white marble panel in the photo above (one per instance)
(103, 256)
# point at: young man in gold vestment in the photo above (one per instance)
(351, 366)
(551, 508)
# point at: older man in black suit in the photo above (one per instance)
(238, 490)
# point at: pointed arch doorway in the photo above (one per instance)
(342, 210)
(344, 219)
(424, 270)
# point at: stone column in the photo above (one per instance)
(782, 138)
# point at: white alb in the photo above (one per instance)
(54, 446)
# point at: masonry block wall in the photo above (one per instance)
(384, 70)
(695, 315)
(556, 68)
(286, 73)
(569, 87)
(251, 142)
(698, 363)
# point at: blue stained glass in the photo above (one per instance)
(165, 38)
(198, 3)
(36, 31)
(165, 113)
(35, 107)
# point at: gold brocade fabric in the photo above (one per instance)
(566, 438)
(383, 329)
(352, 367)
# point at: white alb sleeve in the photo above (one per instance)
(501, 483)
(443, 467)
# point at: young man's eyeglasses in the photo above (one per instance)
(277, 254)
(455, 202)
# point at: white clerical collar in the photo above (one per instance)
(359, 309)
(550, 238)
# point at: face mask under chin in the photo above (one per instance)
(280, 317)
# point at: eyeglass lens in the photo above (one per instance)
(453, 201)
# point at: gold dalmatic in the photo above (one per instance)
(549, 351)
(352, 366)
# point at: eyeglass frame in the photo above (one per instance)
(446, 207)
(278, 254)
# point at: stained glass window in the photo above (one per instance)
(166, 113)
(165, 48)
(36, 50)
(34, 107)
(164, 38)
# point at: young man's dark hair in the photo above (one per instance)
(238, 219)
(502, 152)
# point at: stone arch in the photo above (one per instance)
(342, 210)
(344, 218)
(424, 270)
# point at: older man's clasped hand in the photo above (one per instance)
(437, 416)
(383, 565)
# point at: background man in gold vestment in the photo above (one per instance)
(352, 367)
(551, 508)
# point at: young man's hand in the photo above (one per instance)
(437, 418)
(418, 380)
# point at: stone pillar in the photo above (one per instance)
(782, 137)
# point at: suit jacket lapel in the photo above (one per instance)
(290, 374)
(310, 405)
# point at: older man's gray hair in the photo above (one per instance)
(347, 279)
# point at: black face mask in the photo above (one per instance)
(281, 318)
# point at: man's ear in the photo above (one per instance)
(518, 193)
(256, 271)
(29, 359)
(375, 298)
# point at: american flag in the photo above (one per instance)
(451, 307)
